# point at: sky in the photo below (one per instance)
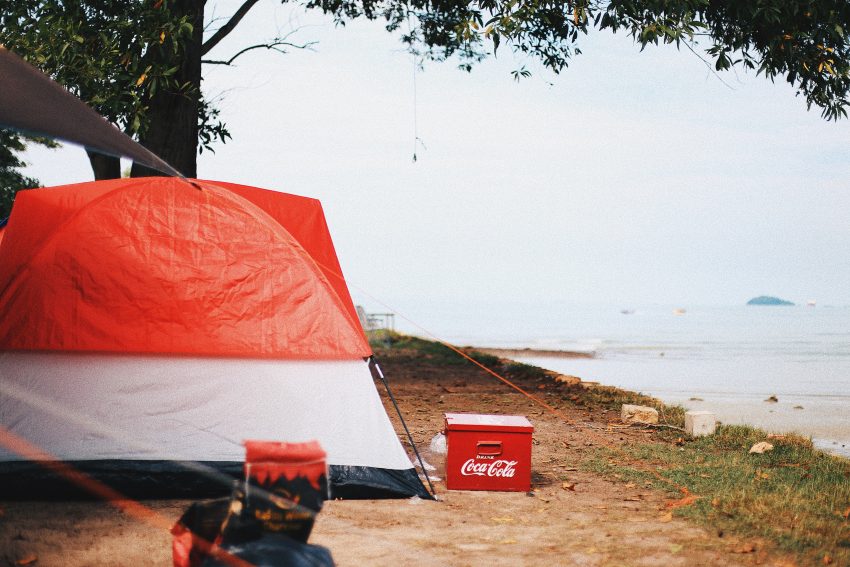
(631, 178)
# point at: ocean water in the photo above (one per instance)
(728, 360)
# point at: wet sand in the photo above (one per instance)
(826, 420)
(725, 390)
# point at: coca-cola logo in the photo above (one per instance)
(500, 468)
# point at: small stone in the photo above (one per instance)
(772, 399)
(568, 380)
(638, 414)
(761, 447)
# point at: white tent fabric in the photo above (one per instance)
(129, 407)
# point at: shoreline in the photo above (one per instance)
(821, 418)
(513, 352)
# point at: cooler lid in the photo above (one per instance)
(485, 422)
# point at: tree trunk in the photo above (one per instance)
(104, 166)
(173, 117)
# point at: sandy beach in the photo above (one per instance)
(571, 517)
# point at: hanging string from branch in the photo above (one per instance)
(417, 141)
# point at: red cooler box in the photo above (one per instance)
(488, 452)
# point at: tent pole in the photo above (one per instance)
(374, 362)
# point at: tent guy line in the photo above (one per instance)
(462, 354)
(25, 449)
(89, 423)
(602, 440)
(129, 506)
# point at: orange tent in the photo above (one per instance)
(150, 322)
(159, 265)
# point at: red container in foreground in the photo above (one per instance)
(488, 452)
(286, 485)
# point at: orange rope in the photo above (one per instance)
(93, 486)
(460, 352)
(683, 489)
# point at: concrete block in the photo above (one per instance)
(700, 423)
(638, 414)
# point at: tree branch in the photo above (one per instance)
(272, 46)
(228, 27)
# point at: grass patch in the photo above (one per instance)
(386, 344)
(389, 344)
(611, 398)
(796, 496)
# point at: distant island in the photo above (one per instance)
(768, 300)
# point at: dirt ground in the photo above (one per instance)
(571, 517)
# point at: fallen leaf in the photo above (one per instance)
(682, 502)
(827, 560)
(745, 548)
(761, 475)
(601, 507)
(630, 485)
(27, 559)
(668, 517)
(502, 519)
(571, 486)
(846, 514)
(632, 499)
(675, 547)
(507, 541)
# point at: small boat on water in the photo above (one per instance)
(679, 311)
(627, 311)
(811, 302)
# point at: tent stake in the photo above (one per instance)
(374, 362)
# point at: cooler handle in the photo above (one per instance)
(489, 448)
